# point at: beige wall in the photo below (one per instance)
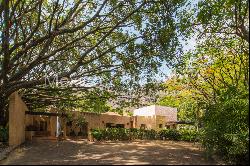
(95, 121)
(149, 121)
(17, 110)
(160, 120)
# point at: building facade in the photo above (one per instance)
(155, 117)
(150, 117)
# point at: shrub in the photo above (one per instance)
(150, 134)
(97, 134)
(170, 134)
(189, 135)
(226, 130)
(123, 134)
(4, 134)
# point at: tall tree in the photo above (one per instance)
(210, 18)
(111, 43)
(217, 72)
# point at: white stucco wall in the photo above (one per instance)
(145, 111)
(169, 112)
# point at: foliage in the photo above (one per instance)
(57, 52)
(80, 121)
(218, 79)
(133, 134)
(170, 134)
(180, 95)
(4, 134)
(216, 76)
(211, 18)
(227, 128)
(97, 134)
(189, 135)
(123, 134)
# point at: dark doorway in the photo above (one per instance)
(109, 125)
(84, 130)
(43, 126)
(131, 124)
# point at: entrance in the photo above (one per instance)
(85, 130)
(43, 126)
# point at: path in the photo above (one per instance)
(83, 152)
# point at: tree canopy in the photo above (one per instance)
(110, 43)
(211, 82)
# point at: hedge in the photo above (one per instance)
(132, 134)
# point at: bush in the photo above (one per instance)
(226, 131)
(123, 134)
(97, 134)
(4, 134)
(189, 135)
(170, 134)
(150, 134)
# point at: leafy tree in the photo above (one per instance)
(211, 18)
(221, 76)
(180, 95)
(217, 73)
(112, 43)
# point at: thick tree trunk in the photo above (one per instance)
(4, 64)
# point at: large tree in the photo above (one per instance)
(217, 74)
(108, 42)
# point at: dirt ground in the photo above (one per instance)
(44, 151)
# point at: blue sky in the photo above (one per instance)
(164, 70)
(190, 44)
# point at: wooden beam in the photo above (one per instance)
(44, 113)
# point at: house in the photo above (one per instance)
(25, 124)
(149, 117)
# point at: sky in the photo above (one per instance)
(188, 45)
(164, 70)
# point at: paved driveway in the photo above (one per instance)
(83, 152)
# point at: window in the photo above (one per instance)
(108, 125)
(167, 126)
(120, 125)
(160, 125)
(143, 126)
